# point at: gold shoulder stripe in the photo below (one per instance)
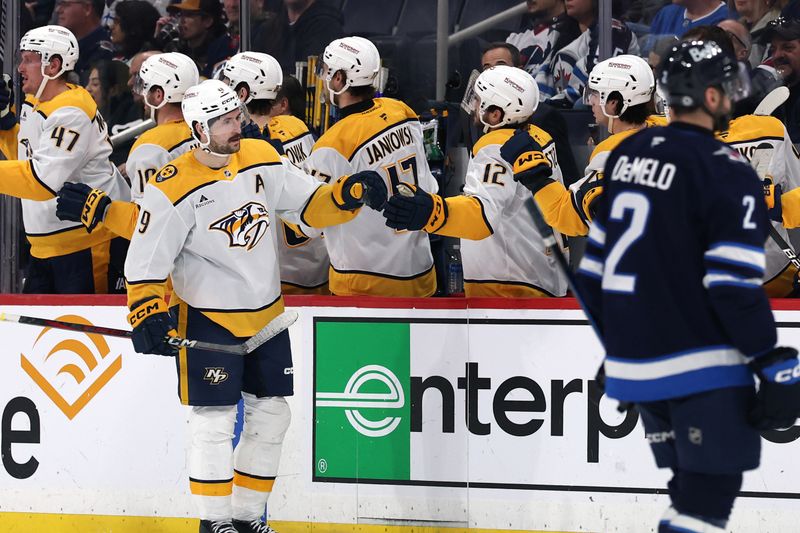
(168, 136)
(354, 131)
(502, 135)
(611, 142)
(74, 97)
(286, 128)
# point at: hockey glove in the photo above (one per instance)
(351, 192)
(587, 195)
(778, 400)
(531, 167)
(416, 211)
(80, 203)
(152, 324)
(7, 118)
(772, 195)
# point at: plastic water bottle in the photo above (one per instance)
(455, 272)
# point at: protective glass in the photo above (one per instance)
(738, 88)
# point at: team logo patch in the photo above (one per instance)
(166, 173)
(244, 226)
(215, 375)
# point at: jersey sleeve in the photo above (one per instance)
(158, 239)
(736, 227)
(143, 162)
(326, 164)
(121, 218)
(306, 202)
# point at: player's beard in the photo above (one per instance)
(721, 118)
(231, 146)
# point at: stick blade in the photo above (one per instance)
(276, 325)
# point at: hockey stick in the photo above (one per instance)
(774, 99)
(276, 325)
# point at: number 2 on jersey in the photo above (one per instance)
(639, 206)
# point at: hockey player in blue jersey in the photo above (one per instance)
(673, 272)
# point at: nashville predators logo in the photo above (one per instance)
(245, 226)
(166, 173)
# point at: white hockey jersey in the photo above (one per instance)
(368, 258)
(563, 209)
(764, 141)
(502, 253)
(155, 148)
(62, 139)
(213, 232)
(303, 256)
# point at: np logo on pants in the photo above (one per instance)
(215, 375)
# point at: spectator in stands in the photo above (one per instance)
(784, 36)
(40, 11)
(203, 35)
(545, 26)
(133, 28)
(562, 78)
(82, 18)
(302, 29)
(108, 86)
(755, 15)
(545, 116)
(681, 15)
(740, 38)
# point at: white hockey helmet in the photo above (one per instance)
(511, 89)
(49, 41)
(357, 57)
(173, 72)
(628, 75)
(206, 101)
(260, 72)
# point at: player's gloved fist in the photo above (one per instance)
(7, 118)
(531, 167)
(587, 195)
(152, 324)
(80, 203)
(414, 209)
(772, 195)
(778, 399)
(351, 192)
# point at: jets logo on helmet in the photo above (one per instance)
(49, 41)
(261, 73)
(356, 57)
(511, 89)
(172, 72)
(628, 75)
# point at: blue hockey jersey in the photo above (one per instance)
(674, 266)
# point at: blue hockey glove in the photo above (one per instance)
(152, 323)
(351, 192)
(80, 203)
(778, 400)
(415, 210)
(531, 167)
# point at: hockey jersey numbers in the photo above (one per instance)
(244, 226)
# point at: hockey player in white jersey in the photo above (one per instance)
(620, 92)
(257, 79)
(501, 251)
(380, 134)
(208, 222)
(62, 137)
(162, 81)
